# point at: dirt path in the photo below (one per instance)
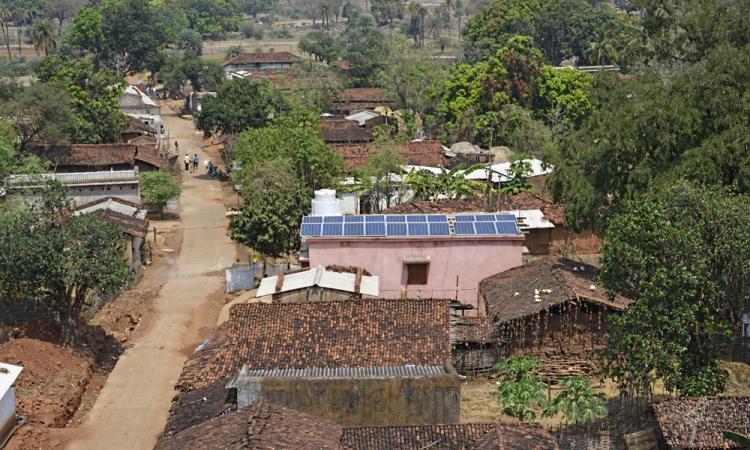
(132, 408)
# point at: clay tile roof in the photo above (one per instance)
(554, 212)
(149, 155)
(92, 155)
(337, 131)
(418, 153)
(129, 225)
(261, 58)
(195, 407)
(106, 199)
(369, 95)
(464, 436)
(698, 422)
(557, 275)
(477, 330)
(335, 334)
(262, 425)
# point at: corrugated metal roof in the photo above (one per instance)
(318, 276)
(246, 376)
(113, 205)
(531, 219)
(8, 375)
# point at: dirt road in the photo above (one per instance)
(132, 409)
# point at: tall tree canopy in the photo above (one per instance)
(686, 261)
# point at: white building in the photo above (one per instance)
(83, 187)
(8, 376)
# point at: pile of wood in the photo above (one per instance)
(558, 367)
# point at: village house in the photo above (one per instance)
(367, 118)
(132, 221)
(261, 61)
(416, 153)
(552, 309)
(417, 255)
(134, 102)
(546, 234)
(8, 375)
(101, 157)
(267, 425)
(334, 359)
(352, 100)
(337, 130)
(691, 423)
(135, 128)
(83, 187)
(318, 284)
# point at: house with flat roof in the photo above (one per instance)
(418, 255)
(267, 425)
(83, 187)
(8, 375)
(336, 359)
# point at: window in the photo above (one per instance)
(746, 325)
(416, 273)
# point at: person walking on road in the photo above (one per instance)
(187, 162)
(196, 163)
(176, 147)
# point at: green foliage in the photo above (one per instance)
(255, 7)
(563, 97)
(375, 179)
(93, 98)
(740, 439)
(519, 182)
(10, 161)
(212, 17)
(190, 41)
(521, 392)
(363, 46)
(60, 259)
(387, 10)
(44, 36)
(684, 259)
(201, 73)
(577, 401)
(238, 106)
(233, 51)
(158, 187)
(451, 184)
(294, 137)
(275, 201)
(39, 113)
(251, 31)
(316, 87)
(321, 45)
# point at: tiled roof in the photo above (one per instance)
(509, 295)
(149, 155)
(477, 436)
(195, 407)
(371, 95)
(129, 225)
(698, 422)
(476, 330)
(90, 155)
(262, 425)
(336, 131)
(361, 333)
(418, 153)
(107, 199)
(554, 212)
(263, 58)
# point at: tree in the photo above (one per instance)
(212, 17)
(294, 137)
(321, 45)
(577, 401)
(158, 187)
(363, 46)
(683, 258)
(40, 113)
(521, 392)
(563, 97)
(519, 181)
(376, 178)
(93, 96)
(238, 106)
(44, 37)
(275, 201)
(255, 7)
(387, 10)
(316, 87)
(10, 161)
(60, 259)
(190, 40)
(62, 10)
(451, 184)
(233, 51)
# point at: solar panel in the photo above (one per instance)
(487, 228)
(310, 229)
(437, 218)
(333, 219)
(354, 229)
(396, 229)
(375, 218)
(354, 219)
(414, 219)
(505, 217)
(392, 218)
(464, 228)
(485, 217)
(439, 229)
(465, 218)
(418, 229)
(375, 229)
(506, 228)
(332, 229)
(312, 219)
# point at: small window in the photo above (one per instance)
(416, 273)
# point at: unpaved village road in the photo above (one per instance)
(132, 409)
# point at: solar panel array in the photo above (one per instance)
(409, 225)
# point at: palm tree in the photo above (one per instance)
(604, 47)
(418, 13)
(44, 37)
(448, 6)
(5, 17)
(458, 10)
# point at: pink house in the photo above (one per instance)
(440, 257)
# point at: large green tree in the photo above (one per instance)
(212, 17)
(60, 259)
(40, 113)
(684, 259)
(275, 201)
(158, 187)
(238, 106)
(364, 48)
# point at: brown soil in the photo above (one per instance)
(53, 380)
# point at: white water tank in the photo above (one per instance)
(325, 203)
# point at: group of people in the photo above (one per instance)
(192, 164)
